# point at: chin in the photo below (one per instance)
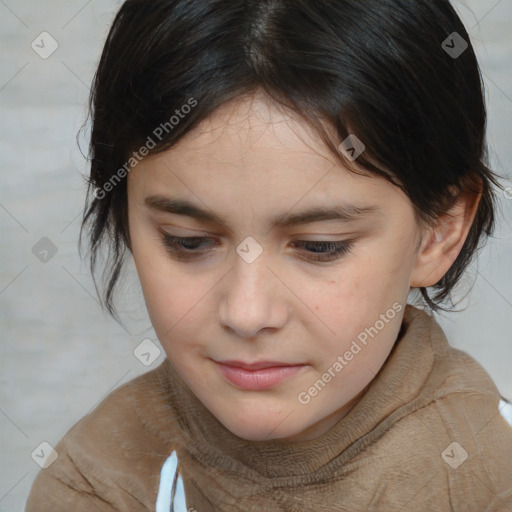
(254, 433)
(259, 427)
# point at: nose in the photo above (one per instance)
(252, 299)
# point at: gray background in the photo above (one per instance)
(60, 355)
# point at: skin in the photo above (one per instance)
(247, 163)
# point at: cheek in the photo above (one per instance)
(351, 302)
(383, 269)
(170, 301)
(166, 289)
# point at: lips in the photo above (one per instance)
(257, 365)
(257, 376)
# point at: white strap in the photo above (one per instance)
(167, 474)
(505, 409)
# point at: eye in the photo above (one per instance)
(325, 251)
(185, 247)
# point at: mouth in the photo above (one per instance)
(259, 375)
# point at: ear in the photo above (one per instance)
(441, 244)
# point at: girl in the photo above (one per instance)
(285, 173)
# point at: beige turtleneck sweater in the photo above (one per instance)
(426, 436)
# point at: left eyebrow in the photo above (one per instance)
(345, 212)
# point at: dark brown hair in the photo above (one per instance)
(376, 69)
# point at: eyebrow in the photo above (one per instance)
(345, 212)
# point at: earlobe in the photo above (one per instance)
(443, 242)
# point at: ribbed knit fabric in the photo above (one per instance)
(426, 435)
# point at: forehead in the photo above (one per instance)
(253, 125)
(246, 136)
(250, 152)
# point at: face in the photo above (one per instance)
(276, 318)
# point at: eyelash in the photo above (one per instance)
(173, 244)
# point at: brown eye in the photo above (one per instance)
(325, 251)
(185, 247)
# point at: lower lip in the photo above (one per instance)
(257, 380)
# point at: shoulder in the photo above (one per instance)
(450, 448)
(111, 459)
(454, 453)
